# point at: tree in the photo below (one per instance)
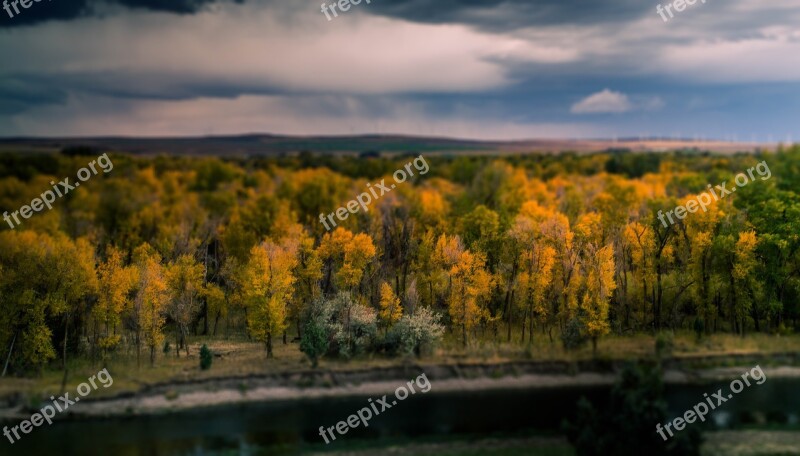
(599, 286)
(308, 272)
(746, 289)
(314, 342)
(216, 302)
(184, 278)
(116, 281)
(699, 232)
(348, 254)
(149, 305)
(641, 245)
(268, 286)
(470, 284)
(391, 310)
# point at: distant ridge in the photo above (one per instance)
(271, 145)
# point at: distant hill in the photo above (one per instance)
(270, 145)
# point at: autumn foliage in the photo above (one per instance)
(508, 250)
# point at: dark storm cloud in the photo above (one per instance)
(73, 9)
(493, 15)
(18, 93)
(498, 15)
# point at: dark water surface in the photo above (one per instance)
(293, 427)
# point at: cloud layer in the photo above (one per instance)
(492, 69)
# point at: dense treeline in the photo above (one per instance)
(506, 249)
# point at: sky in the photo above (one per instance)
(511, 69)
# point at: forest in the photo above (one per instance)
(563, 248)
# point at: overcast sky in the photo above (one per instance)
(513, 69)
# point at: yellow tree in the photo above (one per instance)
(115, 283)
(745, 285)
(357, 254)
(641, 245)
(217, 303)
(45, 279)
(699, 231)
(71, 277)
(308, 273)
(599, 287)
(431, 209)
(348, 253)
(22, 289)
(391, 310)
(470, 284)
(557, 232)
(268, 286)
(184, 279)
(538, 264)
(149, 305)
(535, 260)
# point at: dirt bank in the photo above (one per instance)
(445, 378)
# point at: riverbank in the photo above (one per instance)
(183, 395)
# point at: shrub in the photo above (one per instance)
(665, 343)
(356, 329)
(350, 327)
(205, 357)
(167, 347)
(415, 334)
(314, 342)
(699, 327)
(574, 335)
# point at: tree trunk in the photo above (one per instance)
(530, 323)
(64, 348)
(205, 318)
(183, 340)
(8, 358)
(269, 344)
(509, 299)
(138, 349)
(463, 322)
(245, 322)
(64, 382)
(299, 331)
(152, 355)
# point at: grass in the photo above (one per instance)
(751, 443)
(240, 357)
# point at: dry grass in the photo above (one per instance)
(751, 443)
(240, 358)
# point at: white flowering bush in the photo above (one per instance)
(416, 334)
(351, 327)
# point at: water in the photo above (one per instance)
(294, 426)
